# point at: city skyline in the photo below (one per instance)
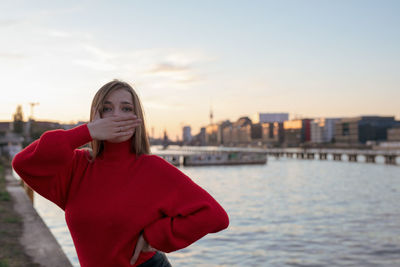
(310, 59)
(257, 118)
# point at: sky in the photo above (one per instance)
(307, 58)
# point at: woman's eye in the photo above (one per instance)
(126, 109)
(106, 109)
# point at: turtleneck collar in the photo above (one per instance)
(117, 151)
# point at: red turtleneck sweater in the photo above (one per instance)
(110, 201)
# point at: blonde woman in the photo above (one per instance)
(123, 206)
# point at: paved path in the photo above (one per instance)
(38, 241)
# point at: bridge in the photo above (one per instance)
(390, 155)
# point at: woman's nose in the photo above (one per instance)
(117, 112)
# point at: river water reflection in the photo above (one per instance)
(289, 213)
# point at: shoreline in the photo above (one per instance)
(36, 239)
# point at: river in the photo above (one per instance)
(289, 212)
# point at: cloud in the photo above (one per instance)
(177, 68)
(95, 65)
(96, 58)
(173, 73)
(10, 22)
(168, 67)
(164, 67)
(12, 56)
(189, 79)
(158, 105)
(59, 34)
(82, 52)
(98, 53)
(34, 16)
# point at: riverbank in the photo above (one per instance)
(12, 252)
(25, 240)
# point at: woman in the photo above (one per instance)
(123, 206)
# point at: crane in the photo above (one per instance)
(33, 104)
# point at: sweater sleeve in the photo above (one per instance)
(46, 165)
(189, 212)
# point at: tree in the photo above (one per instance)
(18, 120)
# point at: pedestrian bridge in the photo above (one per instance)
(390, 156)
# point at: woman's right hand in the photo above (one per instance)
(112, 127)
(141, 246)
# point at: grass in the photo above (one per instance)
(4, 196)
(12, 219)
(12, 253)
(3, 263)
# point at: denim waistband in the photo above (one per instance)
(158, 260)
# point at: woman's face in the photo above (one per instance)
(118, 103)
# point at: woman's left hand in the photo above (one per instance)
(141, 246)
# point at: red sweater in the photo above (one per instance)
(108, 202)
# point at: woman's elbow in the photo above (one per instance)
(220, 220)
(15, 163)
(224, 221)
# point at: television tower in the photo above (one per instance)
(211, 115)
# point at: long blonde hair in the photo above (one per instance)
(139, 141)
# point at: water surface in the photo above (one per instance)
(289, 212)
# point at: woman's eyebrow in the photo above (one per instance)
(122, 102)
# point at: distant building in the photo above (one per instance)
(5, 126)
(256, 132)
(223, 125)
(238, 133)
(227, 139)
(292, 134)
(241, 131)
(272, 133)
(267, 134)
(297, 132)
(329, 129)
(34, 129)
(359, 130)
(393, 134)
(271, 117)
(10, 143)
(317, 130)
(200, 138)
(323, 130)
(211, 136)
(72, 125)
(166, 142)
(186, 135)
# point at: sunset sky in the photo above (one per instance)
(308, 58)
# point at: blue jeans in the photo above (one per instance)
(158, 260)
